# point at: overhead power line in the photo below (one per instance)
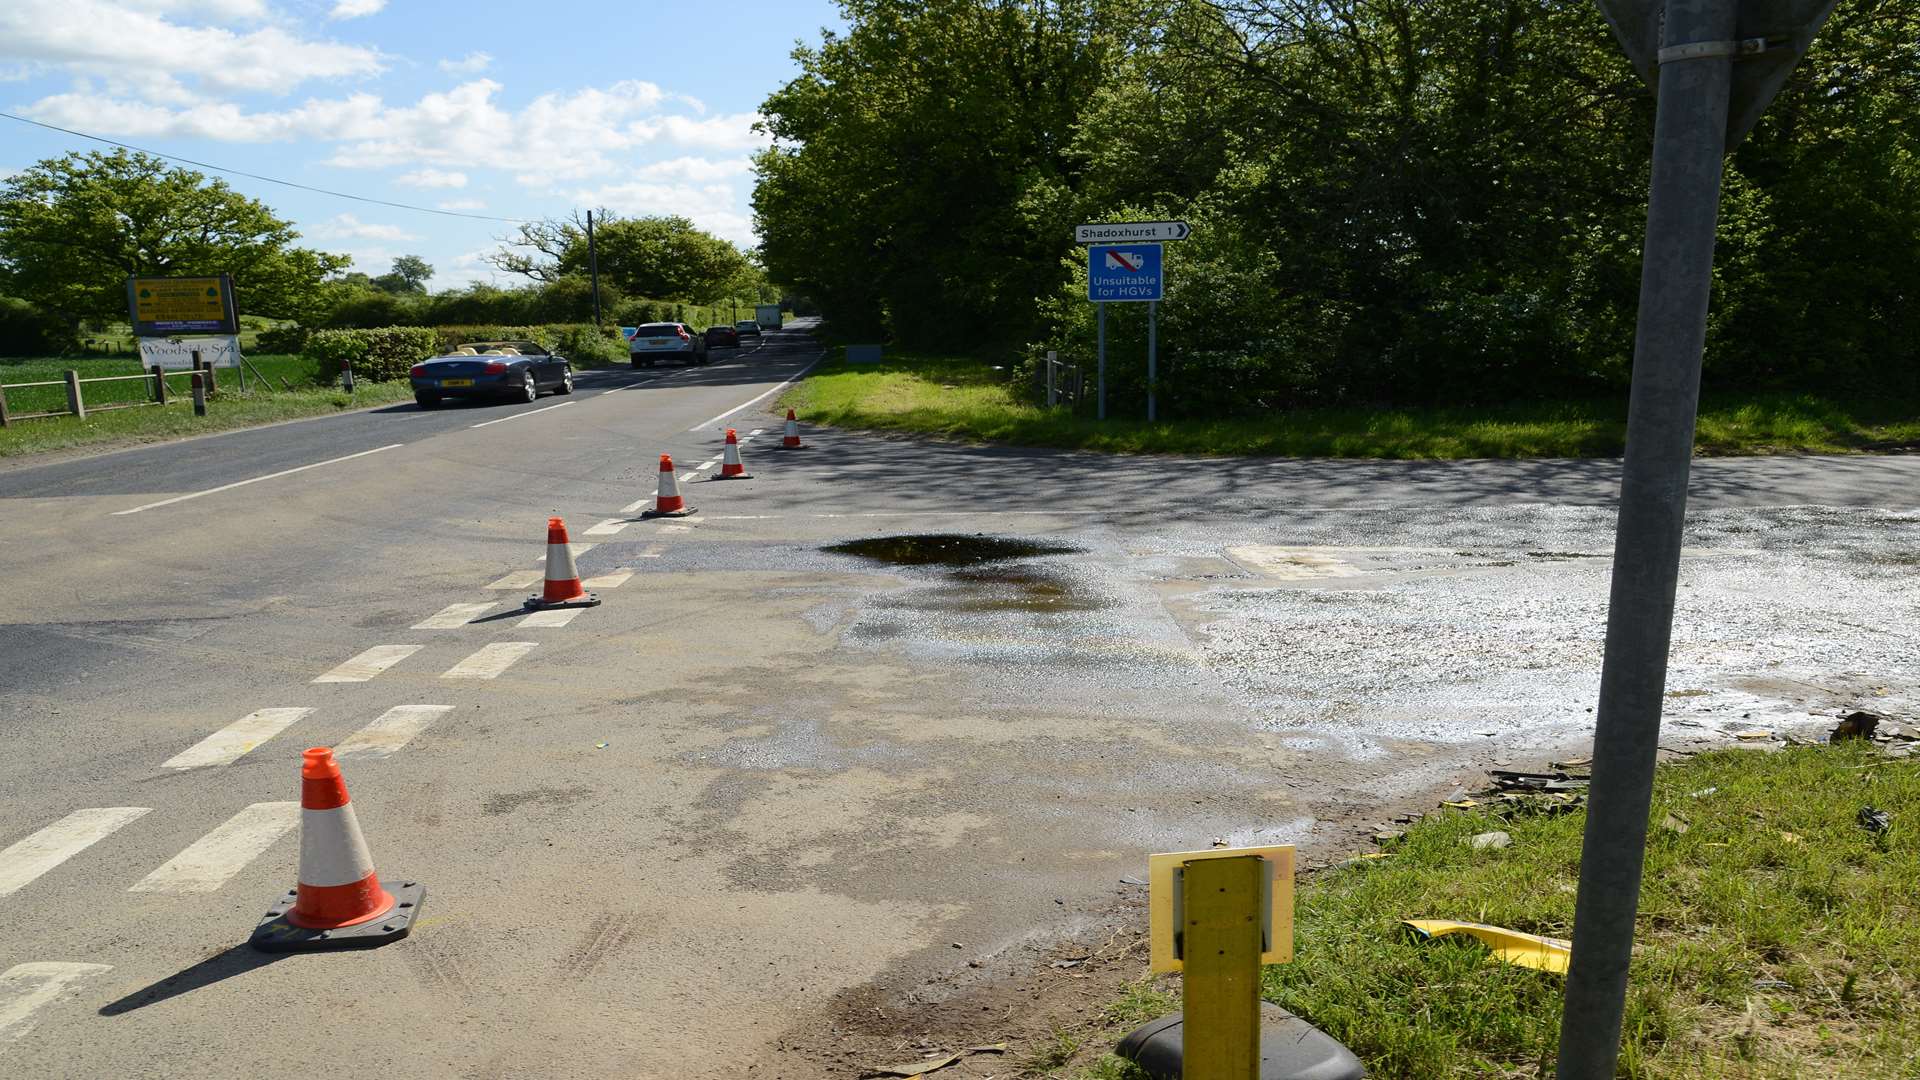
(267, 179)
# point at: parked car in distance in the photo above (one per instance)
(517, 370)
(748, 328)
(725, 337)
(671, 339)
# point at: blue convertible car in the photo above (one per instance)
(516, 370)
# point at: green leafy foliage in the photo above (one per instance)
(25, 330)
(377, 355)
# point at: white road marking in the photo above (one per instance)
(369, 663)
(519, 579)
(608, 527)
(761, 396)
(521, 415)
(255, 480)
(676, 528)
(453, 616)
(653, 551)
(227, 745)
(612, 579)
(707, 464)
(208, 862)
(27, 859)
(394, 729)
(550, 617)
(27, 988)
(636, 506)
(490, 661)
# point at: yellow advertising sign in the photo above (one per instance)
(1162, 923)
(162, 306)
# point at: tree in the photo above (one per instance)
(72, 229)
(664, 258)
(409, 275)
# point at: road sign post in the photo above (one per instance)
(1703, 107)
(1100, 333)
(1153, 374)
(1131, 232)
(1125, 273)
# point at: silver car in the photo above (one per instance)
(667, 339)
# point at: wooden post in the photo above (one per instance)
(76, 404)
(5, 418)
(159, 384)
(1221, 955)
(199, 393)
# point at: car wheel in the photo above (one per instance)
(566, 383)
(529, 390)
(427, 401)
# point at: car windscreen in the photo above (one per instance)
(662, 329)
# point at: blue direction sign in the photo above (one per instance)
(1120, 272)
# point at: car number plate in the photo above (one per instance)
(456, 382)
(657, 341)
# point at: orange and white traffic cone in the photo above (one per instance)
(669, 503)
(339, 902)
(792, 439)
(731, 467)
(563, 588)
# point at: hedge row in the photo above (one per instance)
(385, 353)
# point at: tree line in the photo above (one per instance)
(1405, 201)
(73, 228)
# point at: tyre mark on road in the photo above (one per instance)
(605, 936)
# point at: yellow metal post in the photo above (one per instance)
(1221, 952)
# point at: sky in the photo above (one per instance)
(510, 110)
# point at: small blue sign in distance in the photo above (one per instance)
(1122, 272)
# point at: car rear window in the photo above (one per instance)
(659, 329)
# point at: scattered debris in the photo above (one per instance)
(1675, 824)
(1858, 724)
(1131, 880)
(1754, 734)
(1874, 821)
(919, 1068)
(1573, 763)
(1791, 838)
(1702, 793)
(599, 746)
(1071, 961)
(1505, 780)
(1509, 946)
(1772, 984)
(1490, 841)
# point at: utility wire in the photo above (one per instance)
(267, 179)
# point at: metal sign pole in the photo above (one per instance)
(593, 269)
(1690, 137)
(1100, 318)
(1153, 375)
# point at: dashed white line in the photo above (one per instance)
(255, 480)
(490, 661)
(608, 527)
(636, 506)
(369, 663)
(208, 862)
(27, 988)
(612, 579)
(550, 618)
(761, 396)
(521, 415)
(676, 528)
(453, 616)
(519, 579)
(394, 729)
(230, 743)
(27, 859)
(653, 551)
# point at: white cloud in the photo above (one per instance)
(354, 9)
(463, 204)
(432, 178)
(696, 169)
(349, 227)
(471, 64)
(98, 37)
(713, 207)
(204, 10)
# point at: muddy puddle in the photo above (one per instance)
(947, 549)
(985, 574)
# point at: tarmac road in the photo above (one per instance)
(661, 835)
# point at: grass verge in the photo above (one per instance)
(960, 397)
(176, 420)
(1778, 938)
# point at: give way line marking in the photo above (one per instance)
(255, 480)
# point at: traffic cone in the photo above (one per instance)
(792, 440)
(669, 503)
(731, 467)
(563, 588)
(339, 902)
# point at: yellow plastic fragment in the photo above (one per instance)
(1509, 946)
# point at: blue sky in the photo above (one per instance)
(517, 110)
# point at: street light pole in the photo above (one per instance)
(1690, 139)
(593, 269)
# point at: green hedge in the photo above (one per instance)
(386, 353)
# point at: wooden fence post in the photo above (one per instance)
(199, 393)
(159, 384)
(5, 419)
(75, 403)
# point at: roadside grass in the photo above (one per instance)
(1778, 938)
(967, 398)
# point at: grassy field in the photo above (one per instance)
(966, 398)
(227, 410)
(1778, 938)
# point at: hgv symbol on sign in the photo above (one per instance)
(1124, 272)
